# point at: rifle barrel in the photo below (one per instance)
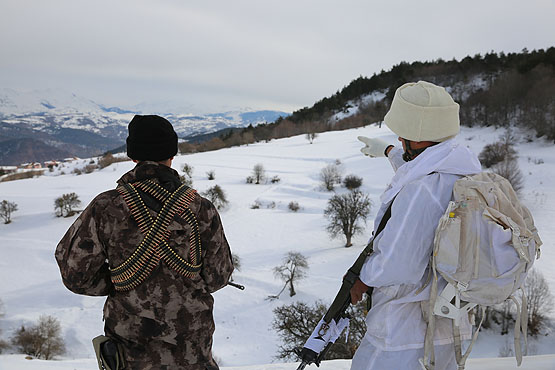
(238, 286)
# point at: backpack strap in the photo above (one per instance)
(428, 361)
(461, 359)
(154, 247)
(521, 325)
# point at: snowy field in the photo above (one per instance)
(30, 284)
(544, 362)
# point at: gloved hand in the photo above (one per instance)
(374, 147)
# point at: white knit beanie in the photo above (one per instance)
(422, 111)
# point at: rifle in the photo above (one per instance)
(238, 286)
(336, 319)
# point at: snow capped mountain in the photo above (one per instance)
(13, 102)
(83, 121)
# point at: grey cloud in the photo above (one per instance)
(246, 52)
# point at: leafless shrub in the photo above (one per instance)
(22, 175)
(352, 182)
(275, 179)
(330, 176)
(42, 340)
(258, 173)
(90, 168)
(188, 170)
(3, 344)
(6, 210)
(217, 196)
(186, 180)
(294, 206)
(540, 303)
(311, 136)
(107, 159)
(66, 204)
(499, 151)
(509, 169)
(211, 175)
(236, 263)
(295, 322)
(495, 153)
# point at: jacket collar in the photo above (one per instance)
(166, 176)
(447, 157)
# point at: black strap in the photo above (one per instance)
(385, 218)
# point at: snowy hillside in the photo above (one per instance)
(30, 284)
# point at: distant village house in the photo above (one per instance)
(51, 164)
(6, 170)
(30, 166)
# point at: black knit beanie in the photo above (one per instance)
(151, 138)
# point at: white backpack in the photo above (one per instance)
(484, 246)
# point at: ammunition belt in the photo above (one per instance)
(154, 247)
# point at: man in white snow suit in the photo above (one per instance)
(426, 119)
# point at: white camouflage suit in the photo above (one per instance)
(420, 190)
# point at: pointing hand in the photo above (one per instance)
(374, 147)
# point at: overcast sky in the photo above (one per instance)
(211, 55)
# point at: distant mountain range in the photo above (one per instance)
(51, 124)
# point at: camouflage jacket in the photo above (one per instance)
(167, 320)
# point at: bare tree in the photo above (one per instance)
(187, 177)
(499, 151)
(188, 169)
(295, 322)
(66, 204)
(311, 136)
(540, 301)
(292, 270)
(509, 169)
(211, 175)
(3, 344)
(344, 212)
(217, 196)
(42, 340)
(258, 173)
(6, 210)
(506, 316)
(330, 176)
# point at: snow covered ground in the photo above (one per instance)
(544, 362)
(30, 284)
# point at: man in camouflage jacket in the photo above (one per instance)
(165, 322)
